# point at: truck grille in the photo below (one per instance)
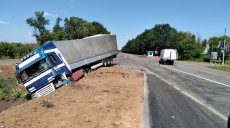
(45, 90)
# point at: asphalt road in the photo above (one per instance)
(8, 61)
(185, 95)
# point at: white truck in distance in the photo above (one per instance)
(168, 56)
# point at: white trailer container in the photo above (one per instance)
(168, 56)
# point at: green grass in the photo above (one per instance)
(7, 81)
(227, 62)
(222, 68)
(16, 93)
(9, 89)
(2, 94)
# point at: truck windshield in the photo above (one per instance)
(34, 70)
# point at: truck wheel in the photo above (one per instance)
(160, 61)
(172, 62)
(109, 62)
(105, 62)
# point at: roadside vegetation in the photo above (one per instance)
(15, 50)
(222, 68)
(189, 46)
(9, 88)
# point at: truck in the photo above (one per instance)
(168, 56)
(53, 64)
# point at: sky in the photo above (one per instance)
(125, 18)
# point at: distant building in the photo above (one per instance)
(150, 53)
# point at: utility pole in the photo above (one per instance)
(224, 47)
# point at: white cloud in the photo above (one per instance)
(4, 23)
(50, 15)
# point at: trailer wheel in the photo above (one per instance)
(105, 62)
(109, 62)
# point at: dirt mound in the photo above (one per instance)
(7, 70)
(107, 98)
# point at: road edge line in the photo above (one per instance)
(205, 105)
(196, 76)
(146, 103)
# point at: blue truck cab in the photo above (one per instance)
(43, 70)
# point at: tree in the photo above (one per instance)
(159, 37)
(74, 28)
(227, 48)
(99, 28)
(77, 28)
(189, 48)
(38, 23)
(164, 36)
(58, 32)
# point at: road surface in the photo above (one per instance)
(185, 95)
(8, 61)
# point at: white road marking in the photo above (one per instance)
(146, 103)
(205, 105)
(205, 71)
(196, 76)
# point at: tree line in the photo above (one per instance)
(74, 28)
(215, 44)
(163, 36)
(15, 50)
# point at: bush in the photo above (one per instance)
(25, 97)
(202, 58)
(16, 93)
(2, 94)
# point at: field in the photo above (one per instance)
(106, 98)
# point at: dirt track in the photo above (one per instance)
(107, 98)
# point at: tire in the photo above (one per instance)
(160, 61)
(172, 62)
(109, 62)
(104, 62)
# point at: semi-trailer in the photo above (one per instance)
(53, 64)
